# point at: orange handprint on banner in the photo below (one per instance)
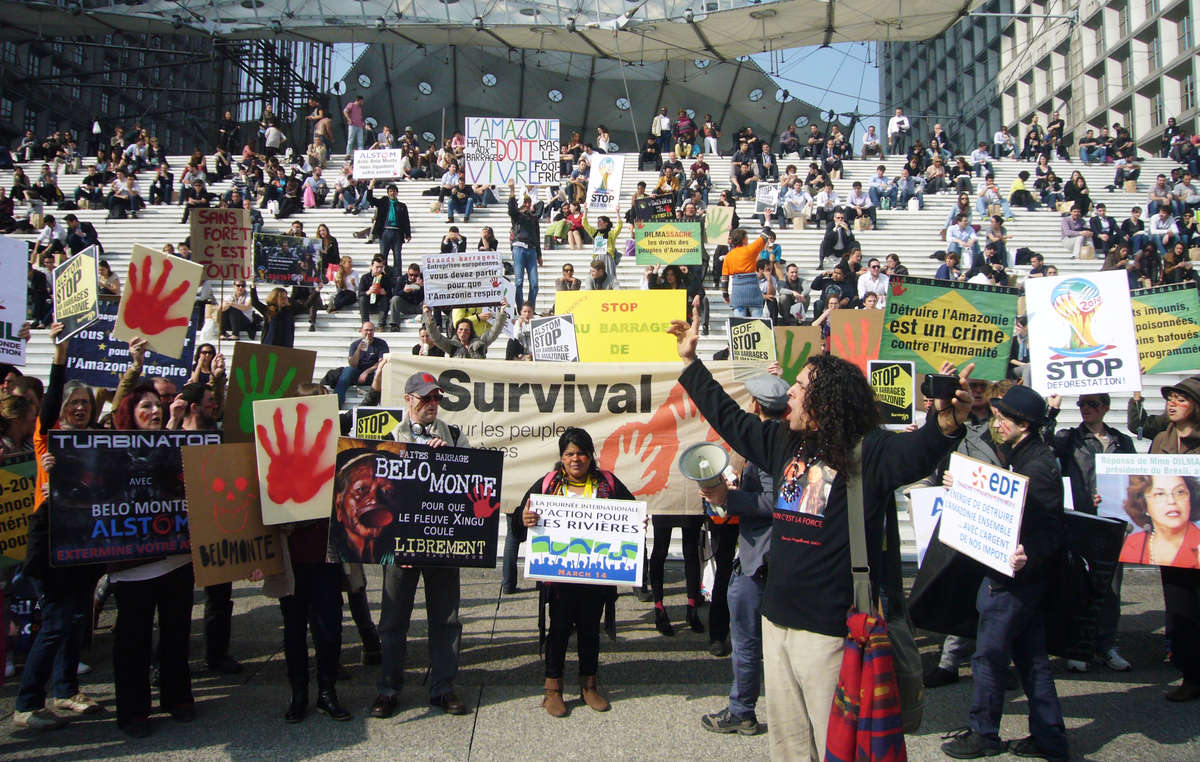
(294, 472)
(148, 309)
(857, 341)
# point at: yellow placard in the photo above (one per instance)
(624, 326)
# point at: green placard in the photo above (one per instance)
(1167, 321)
(668, 243)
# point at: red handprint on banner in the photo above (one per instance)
(897, 285)
(482, 504)
(295, 473)
(859, 350)
(147, 309)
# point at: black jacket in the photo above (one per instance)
(525, 228)
(381, 214)
(831, 239)
(1076, 450)
(1042, 520)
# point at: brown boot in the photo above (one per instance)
(591, 696)
(553, 702)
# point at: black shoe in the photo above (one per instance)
(967, 744)
(1027, 747)
(510, 590)
(299, 706)
(719, 648)
(383, 707)
(181, 713)
(227, 666)
(937, 677)
(662, 622)
(693, 620)
(450, 703)
(327, 702)
(724, 722)
(140, 727)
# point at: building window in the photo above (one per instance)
(31, 120)
(75, 92)
(1185, 33)
(103, 104)
(1151, 8)
(1155, 54)
(79, 55)
(1156, 110)
(35, 65)
(6, 109)
(10, 52)
(1123, 21)
(1126, 73)
(1187, 92)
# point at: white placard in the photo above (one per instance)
(766, 197)
(467, 278)
(981, 515)
(598, 542)
(925, 505)
(1081, 334)
(500, 149)
(378, 164)
(14, 262)
(553, 339)
(604, 184)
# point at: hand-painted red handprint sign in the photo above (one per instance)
(854, 335)
(296, 465)
(156, 302)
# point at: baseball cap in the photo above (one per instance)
(421, 384)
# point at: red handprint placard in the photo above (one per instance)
(157, 300)
(295, 441)
(854, 335)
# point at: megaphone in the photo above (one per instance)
(704, 463)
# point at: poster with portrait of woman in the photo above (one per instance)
(1159, 497)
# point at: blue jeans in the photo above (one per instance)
(1087, 155)
(354, 138)
(877, 195)
(525, 261)
(464, 208)
(1011, 624)
(390, 241)
(66, 604)
(745, 629)
(1137, 242)
(348, 378)
(906, 195)
(748, 311)
(980, 166)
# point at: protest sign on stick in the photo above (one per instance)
(553, 339)
(751, 340)
(221, 243)
(604, 184)
(375, 422)
(14, 262)
(981, 516)
(668, 243)
(229, 540)
(925, 505)
(465, 278)
(285, 260)
(378, 164)
(399, 503)
(157, 300)
(623, 326)
(1167, 321)
(500, 149)
(18, 478)
(793, 345)
(260, 372)
(296, 449)
(895, 392)
(854, 335)
(76, 293)
(766, 198)
(655, 208)
(1159, 495)
(718, 221)
(594, 541)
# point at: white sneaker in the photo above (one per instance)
(1074, 665)
(38, 719)
(80, 703)
(1117, 663)
(83, 669)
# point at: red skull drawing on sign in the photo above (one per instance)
(231, 501)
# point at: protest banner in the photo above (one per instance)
(751, 340)
(1081, 335)
(466, 278)
(925, 506)
(157, 300)
(284, 260)
(1159, 495)
(930, 321)
(793, 345)
(895, 392)
(295, 449)
(375, 422)
(221, 243)
(261, 372)
(14, 260)
(668, 243)
(766, 198)
(623, 326)
(654, 208)
(593, 541)
(98, 359)
(378, 163)
(639, 418)
(119, 495)
(76, 290)
(981, 515)
(398, 503)
(604, 184)
(553, 339)
(718, 221)
(1167, 322)
(500, 149)
(18, 478)
(854, 335)
(229, 540)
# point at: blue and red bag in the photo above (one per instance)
(865, 723)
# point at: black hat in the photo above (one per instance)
(1022, 404)
(1188, 387)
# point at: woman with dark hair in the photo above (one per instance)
(487, 240)
(465, 343)
(573, 606)
(1078, 194)
(331, 258)
(961, 176)
(1165, 509)
(18, 418)
(280, 315)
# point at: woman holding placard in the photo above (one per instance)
(572, 605)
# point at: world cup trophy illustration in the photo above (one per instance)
(605, 169)
(1076, 301)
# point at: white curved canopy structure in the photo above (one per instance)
(627, 29)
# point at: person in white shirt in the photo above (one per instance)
(870, 143)
(962, 239)
(1162, 231)
(898, 130)
(981, 160)
(826, 203)
(1185, 196)
(1003, 143)
(873, 281)
(795, 201)
(660, 128)
(52, 239)
(860, 204)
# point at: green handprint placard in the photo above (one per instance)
(261, 373)
(793, 345)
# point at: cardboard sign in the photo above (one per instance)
(766, 198)
(1159, 496)
(1081, 334)
(98, 359)
(895, 392)
(604, 184)
(221, 243)
(929, 321)
(751, 340)
(14, 262)
(1167, 321)
(624, 326)
(375, 422)
(18, 478)
(854, 335)
(260, 372)
(793, 345)
(467, 278)
(925, 505)
(512, 148)
(981, 517)
(668, 243)
(403, 503)
(378, 163)
(119, 495)
(598, 542)
(296, 450)
(157, 300)
(654, 208)
(76, 291)
(229, 540)
(284, 260)
(718, 221)
(553, 339)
